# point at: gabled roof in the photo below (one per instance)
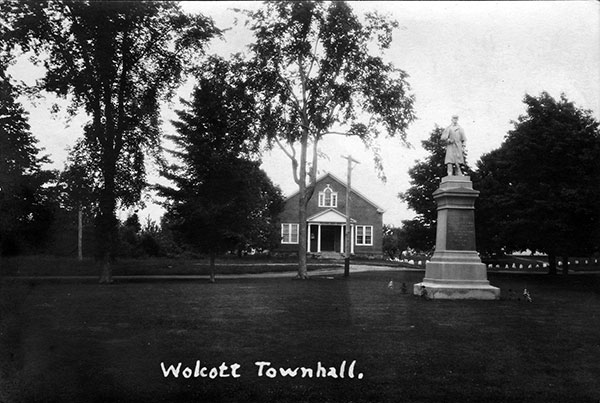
(323, 176)
(329, 215)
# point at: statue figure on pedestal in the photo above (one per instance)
(455, 270)
(454, 137)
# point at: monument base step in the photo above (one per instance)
(456, 290)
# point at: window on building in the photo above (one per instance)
(364, 235)
(328, 198)
(289, 233)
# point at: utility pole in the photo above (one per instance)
(348, 239)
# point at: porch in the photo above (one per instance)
(327, 233)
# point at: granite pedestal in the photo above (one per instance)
(455, 270)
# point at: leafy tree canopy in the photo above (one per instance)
(117, 61)
(539, 191)
(315, 71)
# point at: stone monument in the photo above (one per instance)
(455, 270)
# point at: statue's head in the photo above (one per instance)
(454, 119)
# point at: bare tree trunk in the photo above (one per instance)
(80, 233)
(302, 244)
(551, 263)
(106, 234)
(212, 267)
(107, 223)
(302, 202)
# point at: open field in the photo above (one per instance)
(72, 342)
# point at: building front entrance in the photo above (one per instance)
(326, 238)
(330, 238)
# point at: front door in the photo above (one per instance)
(329, 237)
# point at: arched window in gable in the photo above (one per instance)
(327, 197)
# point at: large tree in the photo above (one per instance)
(116, 61)
(25, 213)
(222, 199)
(316, 71)
(425, 178)
(540, 191)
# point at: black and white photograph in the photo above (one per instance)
(299, 201)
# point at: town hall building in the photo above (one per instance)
(326, 221)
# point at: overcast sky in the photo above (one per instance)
(474, 59)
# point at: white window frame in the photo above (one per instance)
(290, 231)
(361, 233)
(333, 199)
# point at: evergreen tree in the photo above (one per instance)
(222, 198)
(25, 206)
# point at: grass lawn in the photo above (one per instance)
(64, 266)
(70, 342)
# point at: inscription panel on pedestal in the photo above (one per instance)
(460, 230)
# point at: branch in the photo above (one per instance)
(330, 97)
(303, 84)
(296, 103)
(284, 149)
(314, 55)
(151, 43)
(339, 133)
(330, 116)
(302, 125)
(312, 173)
(291, 156)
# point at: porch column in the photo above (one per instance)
(308, 243)
(341, 238)
(319, 238)
(351, 238)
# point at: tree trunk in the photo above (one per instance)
(302, 244)
(106, 231)
(106, 246)
(565, 268)
(80, 234)
(212, 267)
(551, 263)
(302, 203)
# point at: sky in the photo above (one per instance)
(474, 59)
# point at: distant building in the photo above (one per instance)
(327, 221)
